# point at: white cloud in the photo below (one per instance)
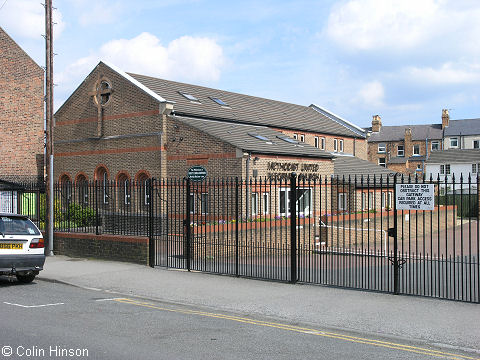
(26, 18)
(447, 74)
(404, 24)
(193, 59)
(372, 94)
(99, 12)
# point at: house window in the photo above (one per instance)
(454, 142)
(384, 196)
(435, 145)
(335, 145)
(442, 169)
(400, 151)
(474, 168)
(265, 203)
(342, 202)
(295, 136)
(447, 169)
(302, 138)
(419, 167)
(390, 199)
(304, 198)
(381, 162)
(416, 150)
(254, 203)
(322, 143)
(476, 144)
(316, 141)
(204, 203)
(341, 145)
(382, 147)
(367, 200)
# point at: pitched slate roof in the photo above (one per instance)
(463, 127)
(454, 156)
(397, 133)
(398, 160)
(351, 166)
(243, 108)
(242, 137)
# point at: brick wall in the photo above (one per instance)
(110, 247)
(130, 115)
(21, 111)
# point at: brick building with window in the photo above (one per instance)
(403, 148)
(126, 127)
(21, 113)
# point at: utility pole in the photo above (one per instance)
(49, 123)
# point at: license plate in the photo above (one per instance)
(11, 246)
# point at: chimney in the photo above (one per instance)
(376, 123)
(445, 118)
(408, 142)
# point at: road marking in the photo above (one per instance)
(111, 299)
(32, 306)
(298, 329)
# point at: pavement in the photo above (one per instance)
(448, 324)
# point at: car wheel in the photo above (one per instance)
(25, 279)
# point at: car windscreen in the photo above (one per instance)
(11, 225)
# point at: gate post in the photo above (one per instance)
(151, 240)
(293, 228)
(396, 279)
(186, 225)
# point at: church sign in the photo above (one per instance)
(281, 171)
(197, 173)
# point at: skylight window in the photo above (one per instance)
(259, 137)
(219, 101)
(189, 97)
(287, 139)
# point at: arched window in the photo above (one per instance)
(81, 184)
(124, 189)
(143, 189)
(65, 190)
(101, 175)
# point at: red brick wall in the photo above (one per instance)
(21, 111)
(128, 113)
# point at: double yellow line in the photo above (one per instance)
(302, 330)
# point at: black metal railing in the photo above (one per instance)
(337, 231)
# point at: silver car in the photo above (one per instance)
(21, 247)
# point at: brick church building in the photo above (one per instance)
(119, 125)
(21, 113)
(127, 127)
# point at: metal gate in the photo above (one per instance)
(329, 231)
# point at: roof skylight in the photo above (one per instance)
(219, 101)
(259, 137)
(287, 139)
(189, 97)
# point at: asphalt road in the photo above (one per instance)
(42, 319)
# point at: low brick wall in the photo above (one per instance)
(110, 247)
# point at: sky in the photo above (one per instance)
(405, 60)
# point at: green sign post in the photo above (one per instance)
(197, 173)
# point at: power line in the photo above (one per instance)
(1, 7)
